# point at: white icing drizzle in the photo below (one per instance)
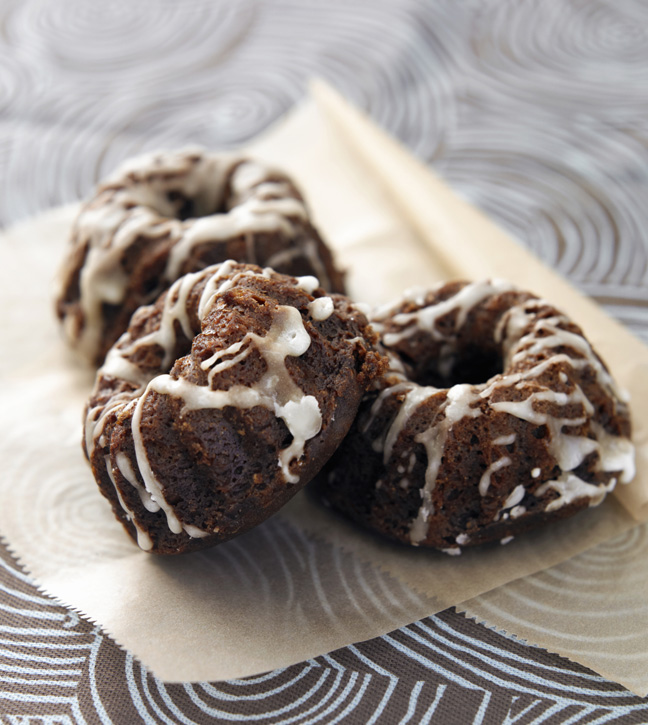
(484, 481)
(425, 318)
(535, 472)
(143, 539)
(252, 217)
(414, 397)
(452, 551)
(151, 483)
(462, 539)
(252, 174)
(568, 450)
(537, 342)
(517, 511)
(506, 540)
(97, 417)
(535, 371)
(321, 308)
(514, 498)
(126, 470)
(117, 363)
(219, 282)
(308, 283)
(378, 444)
(137, 202)
(107, 235)
(459, 401)
(615, 453)
(571, 488)
(363, 307)
(505, 440)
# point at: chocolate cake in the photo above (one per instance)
(165, 214)
(496, 416)
(222, 400)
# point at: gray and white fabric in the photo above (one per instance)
(534, 111)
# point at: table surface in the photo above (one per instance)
(535, 112)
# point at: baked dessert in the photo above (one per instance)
(162, 215)
(222, 400)
(496, 416)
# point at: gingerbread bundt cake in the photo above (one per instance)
(222, 400)
(163, 215)
(495, 417)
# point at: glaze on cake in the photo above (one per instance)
(496, 416)
(222, 400)
(162, 215)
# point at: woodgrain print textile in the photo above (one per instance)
(534, 111)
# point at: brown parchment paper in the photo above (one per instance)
(305, 582)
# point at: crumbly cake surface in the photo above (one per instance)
(495, 417)
(222, 400)
(162, 215)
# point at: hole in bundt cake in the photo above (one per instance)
(471, 365)
(187, 208)
(475, 365)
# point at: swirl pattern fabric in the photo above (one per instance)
(533, 111)
(443, 669)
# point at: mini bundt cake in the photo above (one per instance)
(222, 400)
(165, 214)
(495, 417)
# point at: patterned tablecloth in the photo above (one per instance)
(535, 111)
